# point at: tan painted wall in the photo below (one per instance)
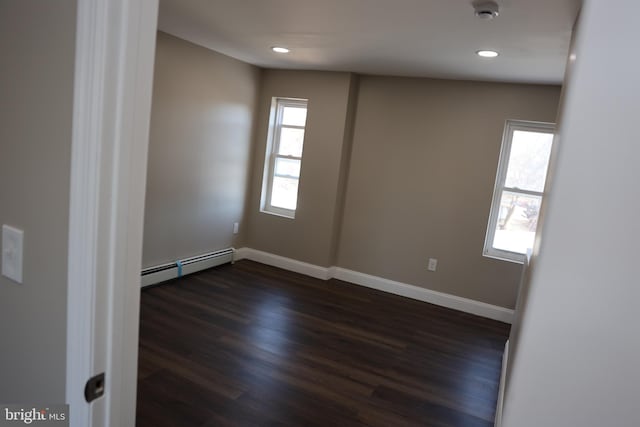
(419, 157)
(345, 163)
(37, 41)
(309, 237)
(422, 172)
(202, 120)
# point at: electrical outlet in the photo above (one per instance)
(433, 264)
(236, 228)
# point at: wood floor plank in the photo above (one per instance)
(253, 345)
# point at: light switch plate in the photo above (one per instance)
(12, 248)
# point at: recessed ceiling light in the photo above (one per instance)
(487, 53)
(279, 49)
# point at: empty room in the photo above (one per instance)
(330, 213)
(322, 198)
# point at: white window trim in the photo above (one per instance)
(273, 141)
(501, 176)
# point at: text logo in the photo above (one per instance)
(34, 415)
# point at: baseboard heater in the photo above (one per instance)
(171, 270)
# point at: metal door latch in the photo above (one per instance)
(94, 388)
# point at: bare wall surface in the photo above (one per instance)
(419, 157)
(578, 350)
(345, 162)
(309, 236)
(37, 41)
(423, 166)
(199, 150)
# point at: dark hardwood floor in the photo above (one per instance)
(252, 345)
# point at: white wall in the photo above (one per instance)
(578, 361)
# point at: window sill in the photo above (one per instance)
(281, 215)
(504, 258)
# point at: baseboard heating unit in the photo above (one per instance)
(179, 268)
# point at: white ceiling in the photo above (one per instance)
(424, 38)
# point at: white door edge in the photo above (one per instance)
(115, 48)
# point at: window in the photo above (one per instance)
(522, 172)
(284, 156)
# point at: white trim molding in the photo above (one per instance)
(89, 116)
(501, 389)
(114, 57)
(454, 302)
(283, 262)
(501, 187)
(427, 295)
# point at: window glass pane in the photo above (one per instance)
(287, 167)
(528, 160)
(284, 193)
(517, 221)
(295, 116)
(291, 140)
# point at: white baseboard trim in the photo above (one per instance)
(397, 288)
(239, 254)
(283, 262)
(501, 390)
(427, 295)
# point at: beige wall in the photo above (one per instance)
(37, 41)
(394, 170)
(422, 172)
(345, 164)
(199, 150)
(310, 236)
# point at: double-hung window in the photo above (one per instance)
(519, 189)
(283, 158)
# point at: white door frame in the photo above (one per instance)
(115, 50)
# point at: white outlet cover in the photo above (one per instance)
(12, 248)
(433, 264)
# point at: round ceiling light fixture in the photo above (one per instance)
(487, 53)
(486, 10)
(280, 49)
